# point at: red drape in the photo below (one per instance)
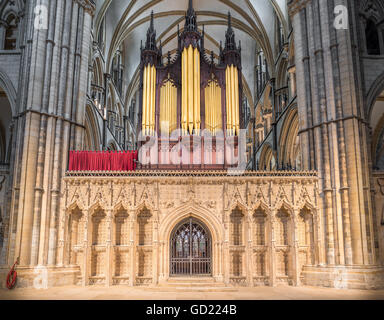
(102, 161)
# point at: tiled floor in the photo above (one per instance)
(128, 293)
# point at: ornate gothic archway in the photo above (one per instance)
(190, 249)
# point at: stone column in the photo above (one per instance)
(62, 237)
(155, 251)
(3, 26)
(87, 249)
(132, 227)
(330, 111)
(109, 250)
(249, 248)
(50, 64)
(226, 248)
(272, 264)
(294, 247)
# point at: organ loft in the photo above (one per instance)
(191, 103)
(176, 143)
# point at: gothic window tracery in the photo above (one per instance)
(122, 228)
(237, 227)
(11, 33)
(144, 228)
(99, 228)
(372, 38)
(76, 235)
(260, 224)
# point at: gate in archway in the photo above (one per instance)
(191, 249)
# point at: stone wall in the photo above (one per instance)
(265, 226)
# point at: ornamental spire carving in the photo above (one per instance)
(230, 43)
(190, 18)
(231, 54)
(151, 54)
(150, 43)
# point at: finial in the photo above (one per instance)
(152, 27)
(190, 5)
(229, 20)
(190, 18)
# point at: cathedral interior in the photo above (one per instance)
(157, 142)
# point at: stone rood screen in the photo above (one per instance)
(190, 100)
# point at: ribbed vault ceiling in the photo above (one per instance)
(128, 21)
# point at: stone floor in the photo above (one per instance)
(128, 293)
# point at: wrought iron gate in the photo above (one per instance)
(191, 247)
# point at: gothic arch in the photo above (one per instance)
(9, 89)
(144, 205)
(375, 91)
(266, 156)
(240, 205)
(4, 10)
(76, 204)
(121, 205)
(306, 204)
(214, 225)
(284, 205)
(289, 139)
(92, 133)
(262, 206)
(98, 73)
(98, 205)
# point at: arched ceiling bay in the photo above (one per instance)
(128, 21)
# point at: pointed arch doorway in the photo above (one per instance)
(191, 249)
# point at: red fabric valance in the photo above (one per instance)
(102, 161)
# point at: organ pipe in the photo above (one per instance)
(213, 107)
(191, 90)
(149, 100)
(232, 100)
(168, 107)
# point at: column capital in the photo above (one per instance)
(294, 6)
(88, 5)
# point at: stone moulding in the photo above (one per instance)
(88, 5)
(294, 6)
(190, 173)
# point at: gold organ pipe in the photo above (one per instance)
(184, 90)
(144, 111)
(228, 99)
(149, 100)
(154, 100)
(174, 108)
(161, 109)
(233, 100)
(151, 109)
(213, 107)
(147, 106)
(190, 89)
(197, 91)
(168, 107)
(237, 103)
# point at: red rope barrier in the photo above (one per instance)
(12, 276)
(102, 160)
